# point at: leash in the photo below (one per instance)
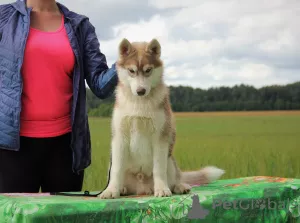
(85, 193)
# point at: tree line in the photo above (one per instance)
(237, 98)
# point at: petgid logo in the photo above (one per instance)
(197, 211)
(247, 204)
(248, 207)
(190, 206)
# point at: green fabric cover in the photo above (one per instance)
(252, 199)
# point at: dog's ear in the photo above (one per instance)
(154, 47)
(124, 47)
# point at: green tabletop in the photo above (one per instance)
(252, 199)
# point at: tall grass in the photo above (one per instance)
(242, 145)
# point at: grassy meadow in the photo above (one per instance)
(242, 143)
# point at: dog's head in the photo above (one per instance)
(139, 66)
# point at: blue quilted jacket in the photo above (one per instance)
(90, 66)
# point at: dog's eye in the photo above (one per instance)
(148, 70)
(131, 71)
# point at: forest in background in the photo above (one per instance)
(237, 98)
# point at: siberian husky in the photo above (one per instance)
(143, 130)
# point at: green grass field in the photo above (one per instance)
(242, 143)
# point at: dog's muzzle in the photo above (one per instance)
(141, 91)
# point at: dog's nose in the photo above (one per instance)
(141, 91)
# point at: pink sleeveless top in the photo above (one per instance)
(47, 84)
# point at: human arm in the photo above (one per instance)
(101, 79)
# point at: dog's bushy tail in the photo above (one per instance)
(202, 176)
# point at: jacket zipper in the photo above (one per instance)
(21, 80)
(71, 40)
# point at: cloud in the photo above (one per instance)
(214, 43)
(107, 13)
(206, 43)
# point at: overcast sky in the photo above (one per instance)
(205, 43)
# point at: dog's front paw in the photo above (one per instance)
(162, 192)
(109, 193)
(182, 188)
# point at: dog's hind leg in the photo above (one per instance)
(181, 182)
(174, 178)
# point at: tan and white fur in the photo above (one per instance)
(143, 129)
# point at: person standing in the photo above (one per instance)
(47, 52)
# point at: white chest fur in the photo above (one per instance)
(140, 132)
(140, 145)
(139, 120)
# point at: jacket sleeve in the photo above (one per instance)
(101, 79)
